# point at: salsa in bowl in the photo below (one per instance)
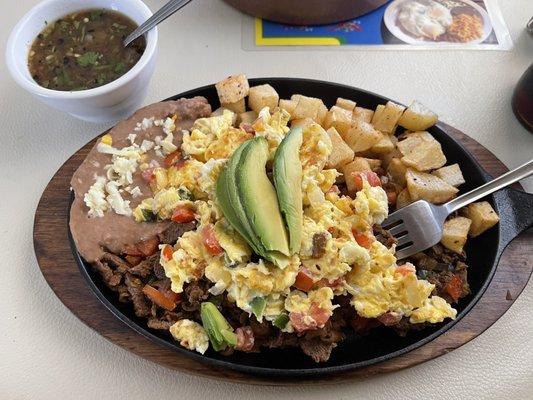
(77, 58)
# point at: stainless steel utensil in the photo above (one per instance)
(163, 13)
(419, 225)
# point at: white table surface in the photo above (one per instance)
(46, 353)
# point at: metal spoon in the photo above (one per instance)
(163, 13)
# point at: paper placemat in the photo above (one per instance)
(398, 24)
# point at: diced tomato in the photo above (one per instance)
(167, 300)
(167, 251)
(406, 269)
(390, 318)
(371, 177)
(320, 315)
(334, 189)
(148, 175)
(210, 240)
(304, 280)
(245, 338)
(454, 287)
(332, 284)
(172, 159)
(300, 323)
(149, 246)
(363, 239)
(182, 215)
(316, 318)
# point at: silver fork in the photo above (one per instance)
(160, 15)
(419, 225)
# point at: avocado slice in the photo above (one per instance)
(287, 174)
(228, 199)
(260, 203)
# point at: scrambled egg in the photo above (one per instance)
(191, 335)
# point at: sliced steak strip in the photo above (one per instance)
(144, 268)
(159, 324)
(317, 349)
(110, 278)
(135, 286)
(118, 264)
(194, 294)
(319, 244)
(174, 231)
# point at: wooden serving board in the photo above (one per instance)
(58, 267)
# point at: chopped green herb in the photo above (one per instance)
(281, 321)
(185, 194)
(96, 14)
(258, 305)
(88, 59)
(149, 215)
(120, 68)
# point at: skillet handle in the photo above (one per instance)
(516, 209)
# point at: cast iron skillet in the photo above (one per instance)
(514, 207)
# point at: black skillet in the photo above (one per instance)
(514, 207)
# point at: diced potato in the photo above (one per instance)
(384, 145)
(374, 163)
(412, 139)
(424, 186)
(425, 156)
(247, 117)
(455, 233)
(346, 104)
(232, 89)
(303, 122)
(359, 164)
(321, 116)
(238, 107)
(387, 119)
(417, 117)
(387, 157)
(451, 174)
(362, 114)
(288, 105)
(377, 113)
(306, 107)
(339, 118)
(403, 199)
(262, 96)
(361, 136)
(341, 153)
(482, 215)
(396, 171)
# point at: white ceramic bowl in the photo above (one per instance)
(107, 103)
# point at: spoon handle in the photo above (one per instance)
(163, 13)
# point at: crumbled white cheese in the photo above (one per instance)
(95, 198)
(135, 192)
(169, 126)
(147, 145)
(115, 200)
(121, 170)
(131, 138)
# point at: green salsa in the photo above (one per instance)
(84, 50)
